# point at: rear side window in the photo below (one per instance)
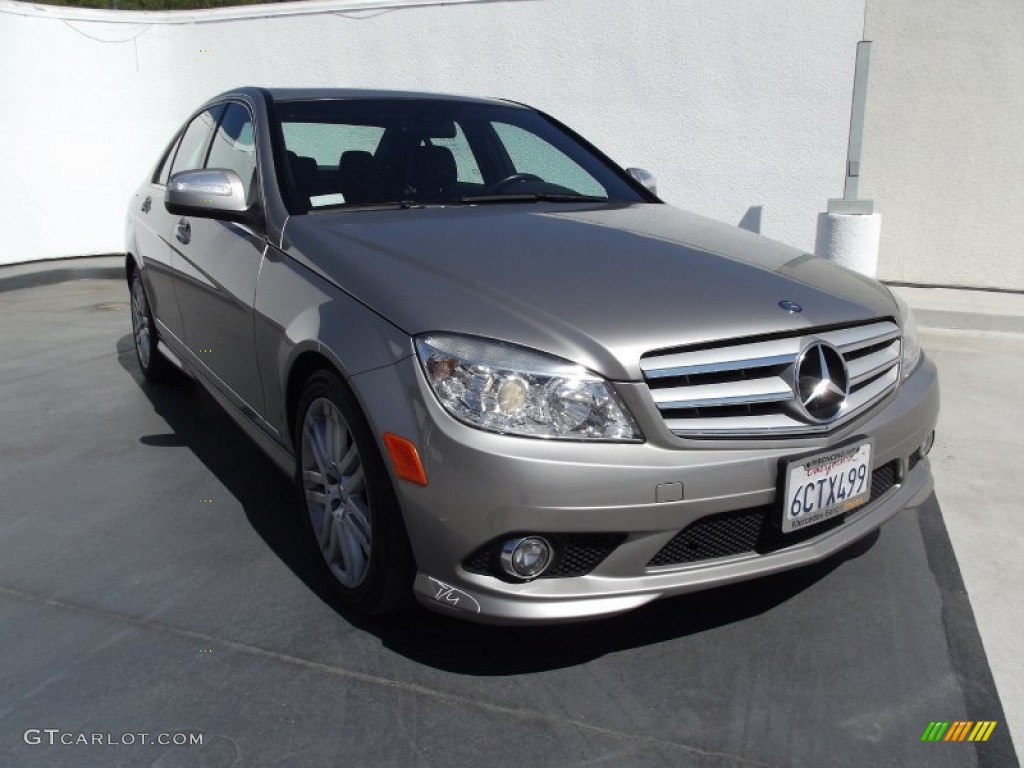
(192, 147)
(234, 147)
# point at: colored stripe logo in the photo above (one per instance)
(958, 730)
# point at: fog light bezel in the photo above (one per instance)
(927, 445)
(508, 560)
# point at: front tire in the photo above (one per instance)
(351, 508)
(152, 363)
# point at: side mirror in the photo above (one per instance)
(212, 194)
(644, 177)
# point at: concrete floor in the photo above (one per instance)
(153, 579)
(976, 461)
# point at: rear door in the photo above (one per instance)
(152, 225)
(217, 264)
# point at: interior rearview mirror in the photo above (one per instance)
(213, 193)
(644, 177)
(437, 129)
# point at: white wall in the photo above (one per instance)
(733, 104)
(944, 140)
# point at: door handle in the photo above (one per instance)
(147, 204)
(184, 231)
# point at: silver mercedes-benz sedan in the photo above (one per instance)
(507, 379)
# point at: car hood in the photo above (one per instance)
(597, 284)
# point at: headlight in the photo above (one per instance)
(513, 390)
(911, 346)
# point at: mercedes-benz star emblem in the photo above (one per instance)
(790, 306)
(822, 381)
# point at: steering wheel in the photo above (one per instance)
(515, 178)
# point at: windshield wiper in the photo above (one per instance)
(531, 197)
(392, 205)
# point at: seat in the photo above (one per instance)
(358, 177)
(304, 173)
(432, 173)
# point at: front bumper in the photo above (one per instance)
(483, 486)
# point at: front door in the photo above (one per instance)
(217, 265)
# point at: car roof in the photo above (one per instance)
(306, 94)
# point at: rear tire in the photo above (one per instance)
(351, 510)
(152, 363)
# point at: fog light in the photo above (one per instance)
(526, 558)
(926, 446)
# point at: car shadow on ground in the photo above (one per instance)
(271, 505)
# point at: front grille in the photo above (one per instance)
(752, 529)
(884, 478)
(743, 388)
(576, 554)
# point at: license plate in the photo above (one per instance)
(825, 484)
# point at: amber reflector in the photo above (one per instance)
(406, 459)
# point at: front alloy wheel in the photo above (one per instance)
(351, 508)
(335, 489)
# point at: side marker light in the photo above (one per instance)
(405, 458)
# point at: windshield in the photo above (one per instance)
(407, 152)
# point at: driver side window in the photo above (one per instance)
(192, 147)
(234, 148)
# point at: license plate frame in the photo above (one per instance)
(817, 486)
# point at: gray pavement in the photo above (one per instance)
(968, 310)
(977, 339)
(153, 579)
(976, 460)
(34, 273)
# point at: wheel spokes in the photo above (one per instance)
(359, 522)
(314, 433)
(333, 549)
(312, 479)
(140, 322)
(354, 483)
(348, 460)
(356, 549)
(326, 529)
(335, 435)
(334, 488)
(317, 497)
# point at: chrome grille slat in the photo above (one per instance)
(729, 365)
(851, 339)
(863, 368)
(744, 389)
(742, 425)
(768, 390)
(867, 394)
(756, 355)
